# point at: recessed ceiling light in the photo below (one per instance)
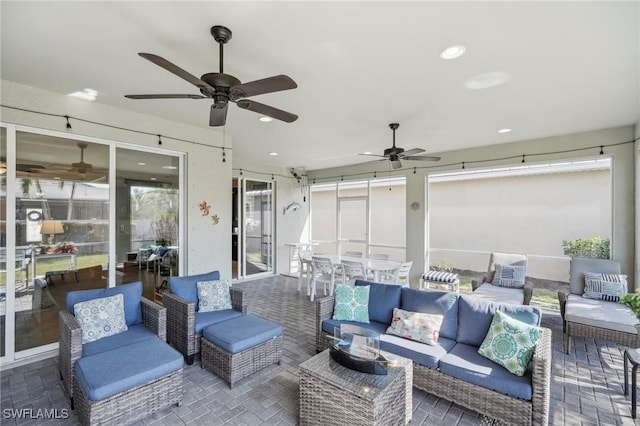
(504, 130)
(453, 52)
(367, 153)
(265, 119)
(169, 167)
(486, 81)
(86, 94)
(273, 153)
(142, 164)
(153, 179)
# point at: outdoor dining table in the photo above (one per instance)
(376, 266)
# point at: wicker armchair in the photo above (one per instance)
(482, 285)
(181, 321)
(595, 319)
(154, 317)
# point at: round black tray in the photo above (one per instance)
(372, 366)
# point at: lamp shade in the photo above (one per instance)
(51, 227)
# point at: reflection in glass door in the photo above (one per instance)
(257, 229)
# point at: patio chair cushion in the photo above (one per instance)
(107, 373)
(418, 326)
(440, 277)
(329, 326)
(475, 316)
(213, 295)
(510, 343)
(496, 293)
(382, 299)
(434, 302)
(186, 286)
(136, 333)
(427, 355)
(465, 363)
(241, 333)
(101, 317)
(204, 319)
(351, 303)
(510, 276)
(598, 313)
(132, 294)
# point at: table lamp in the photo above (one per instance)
(51, 227)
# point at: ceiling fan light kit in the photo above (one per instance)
(396, 154)
(224, 88)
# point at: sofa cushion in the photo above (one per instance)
(495, 293)
(418, 326)
(244, 332)
(510, 343)
(136, 333)
(580, 264)
(214, 295)
(101, 317)
(351, 303)
(427, 355)
(598, 313)
(465, 363)
(475, 316)
(186, 287)
(107, 373)
(204, 319)
(434, 302)
(329, 325)
(382, 299)
(132, 294)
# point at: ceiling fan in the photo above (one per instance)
(75, 171)
(395, 154)
(223, 88)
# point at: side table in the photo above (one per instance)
(633, 356)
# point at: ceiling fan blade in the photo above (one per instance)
(218, 116)
(396, 164)
(164, 96)
(374, 155)
(174, 69)
(276, 83)
(421, 158)
(267, 110)
(411, 152)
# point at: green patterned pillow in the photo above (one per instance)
(510, 343)
(351, 303)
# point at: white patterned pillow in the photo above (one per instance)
(606, 287)
(100, 317)
(351, 303)
(510, 343)
(417, 326)
(213, 295)
(509, 276)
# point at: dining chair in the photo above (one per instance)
(401, 275)
(352, 270)
(384, 275)
(324, 272)
(304, 265)
(353, 253)
(379, 256)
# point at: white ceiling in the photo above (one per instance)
(571, 67)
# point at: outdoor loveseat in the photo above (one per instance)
(452, 369)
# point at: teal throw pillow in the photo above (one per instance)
(351, 303)
(510, 343)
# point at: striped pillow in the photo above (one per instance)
(606, 287)
(509, 276)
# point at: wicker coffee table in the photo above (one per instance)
(331, 394)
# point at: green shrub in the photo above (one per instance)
(594, 247)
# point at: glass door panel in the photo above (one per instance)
(352, 224)
(257, 224)
(3, 240)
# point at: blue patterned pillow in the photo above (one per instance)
(510, 343)
(509, 276)
(607, 287)
(351, 303)
(100, 317)
(214, 295)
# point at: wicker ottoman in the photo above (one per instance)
(237, 348)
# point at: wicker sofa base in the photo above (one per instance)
(234, 367)
(574, 329)
(131, 405)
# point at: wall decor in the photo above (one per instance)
(415, 206)
(204, 207)
(215, 219)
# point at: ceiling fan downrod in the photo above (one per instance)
(222, 35)
(393, 127)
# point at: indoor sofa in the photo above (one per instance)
(453, 369)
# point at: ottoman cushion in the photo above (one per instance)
(107, 373)
(237, 334)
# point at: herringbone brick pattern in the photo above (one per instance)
(587, 385)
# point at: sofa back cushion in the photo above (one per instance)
(187, 288)
(383, 298)
(132, 293)
(434, 302)
(475, 316)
